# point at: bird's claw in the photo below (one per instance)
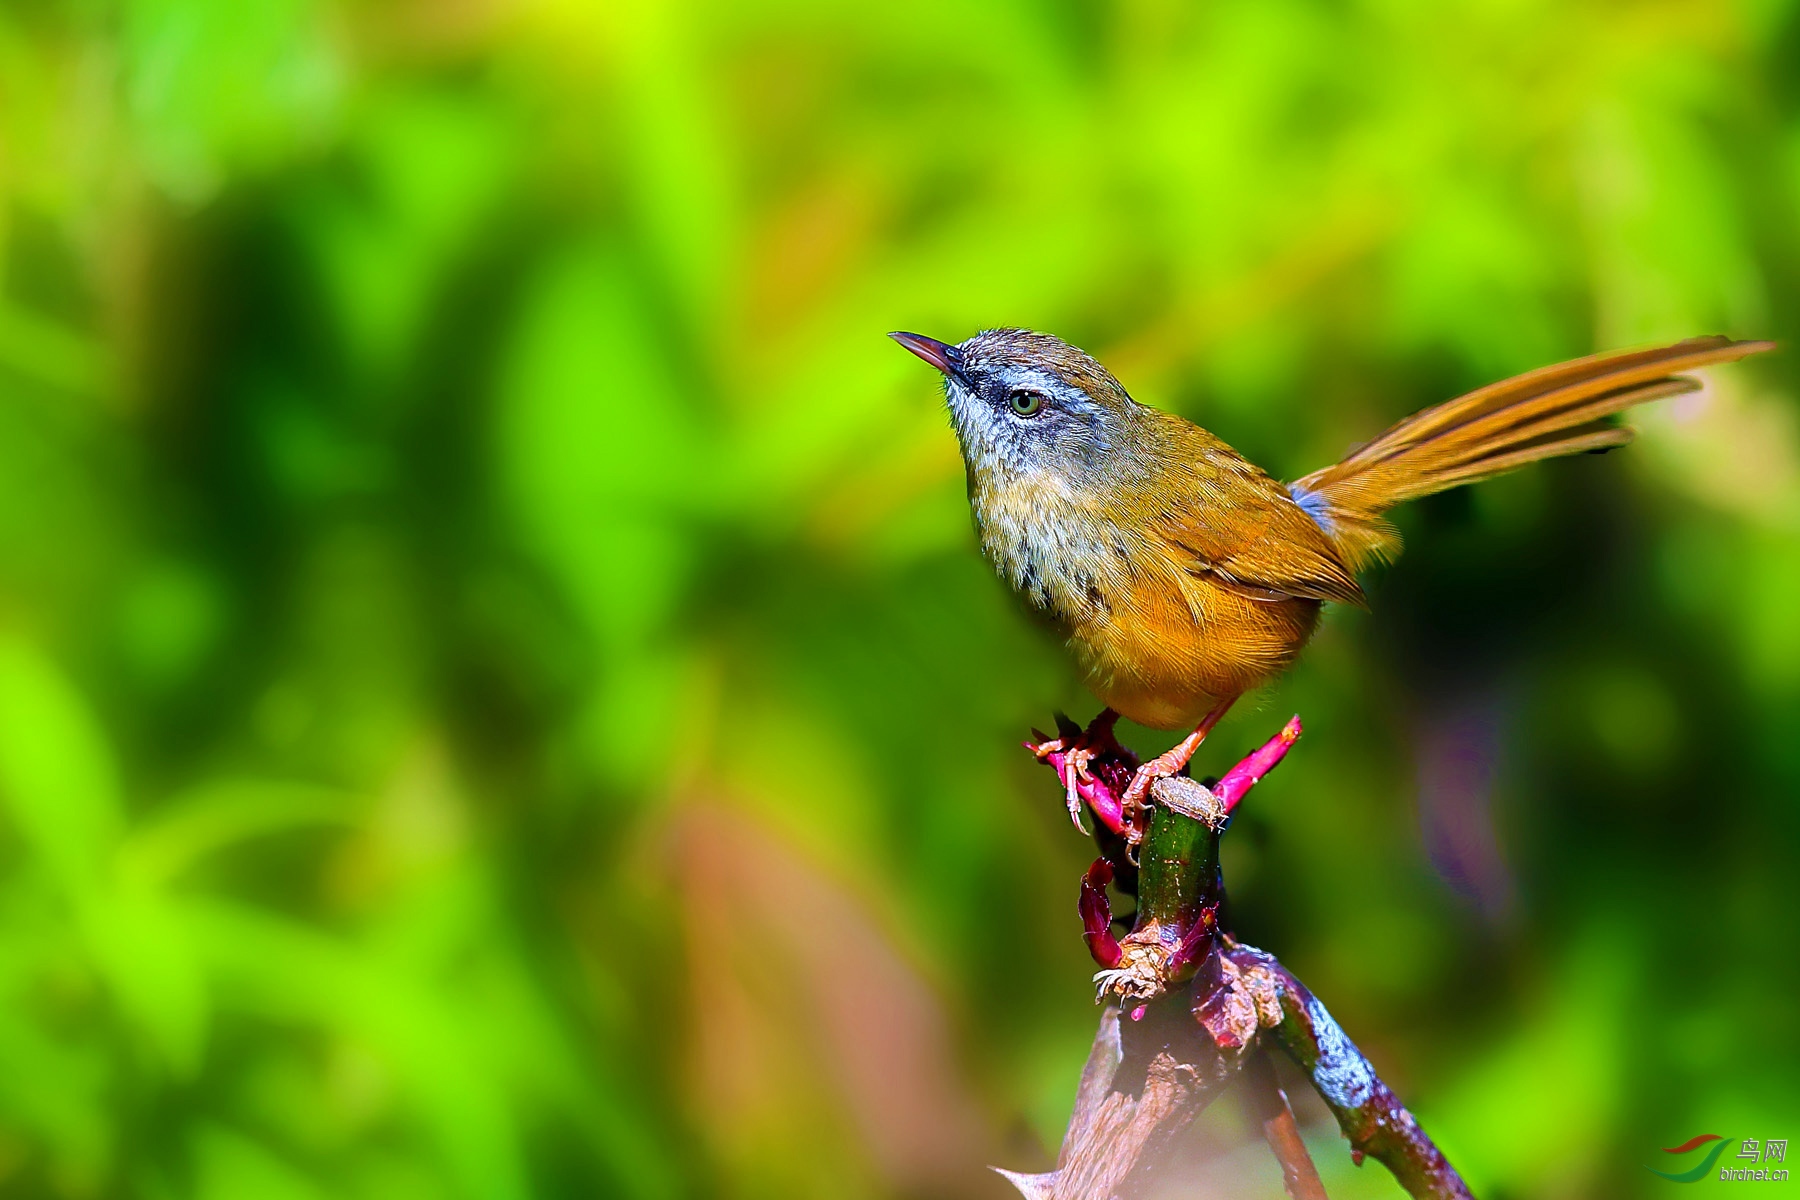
(1075, 773)
(1074, 756)
(1071, 766)
(1163, 766)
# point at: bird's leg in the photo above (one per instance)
(1170, 762)
(1074, 750)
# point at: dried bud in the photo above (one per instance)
(1096, 914)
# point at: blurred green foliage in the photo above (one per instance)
(498, 697)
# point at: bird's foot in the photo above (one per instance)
(1169, 763)
(1072, 771)
(1134, 803)
(1163, 766)
(1091, 765)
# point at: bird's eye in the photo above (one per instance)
(1025, 403)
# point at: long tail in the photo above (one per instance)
(1544, 413)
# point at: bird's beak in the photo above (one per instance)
(942, 355)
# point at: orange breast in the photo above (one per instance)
(1171, 645)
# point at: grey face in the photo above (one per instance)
(1042, 428)
(1018, 403)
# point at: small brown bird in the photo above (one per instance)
(1183, 575)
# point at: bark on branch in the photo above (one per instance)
(1190, 1010)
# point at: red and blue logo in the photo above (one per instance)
(1704, 1167)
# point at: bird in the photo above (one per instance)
(1182, 574)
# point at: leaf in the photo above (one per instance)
(57, 778)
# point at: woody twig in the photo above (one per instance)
(1269, 1105)
(1189, 1009)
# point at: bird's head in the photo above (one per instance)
(1025, 402)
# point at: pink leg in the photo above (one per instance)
(1173, 760)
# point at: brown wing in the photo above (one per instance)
(1223, 517)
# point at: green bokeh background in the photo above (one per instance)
(498, 697)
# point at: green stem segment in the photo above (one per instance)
(1178, 870)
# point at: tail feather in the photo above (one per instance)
(1546, 413)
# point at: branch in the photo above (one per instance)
(1145, 1081)
(1269, 1104)
(1371, 1117)
(1149, 1076)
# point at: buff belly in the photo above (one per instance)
(1165, 657)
